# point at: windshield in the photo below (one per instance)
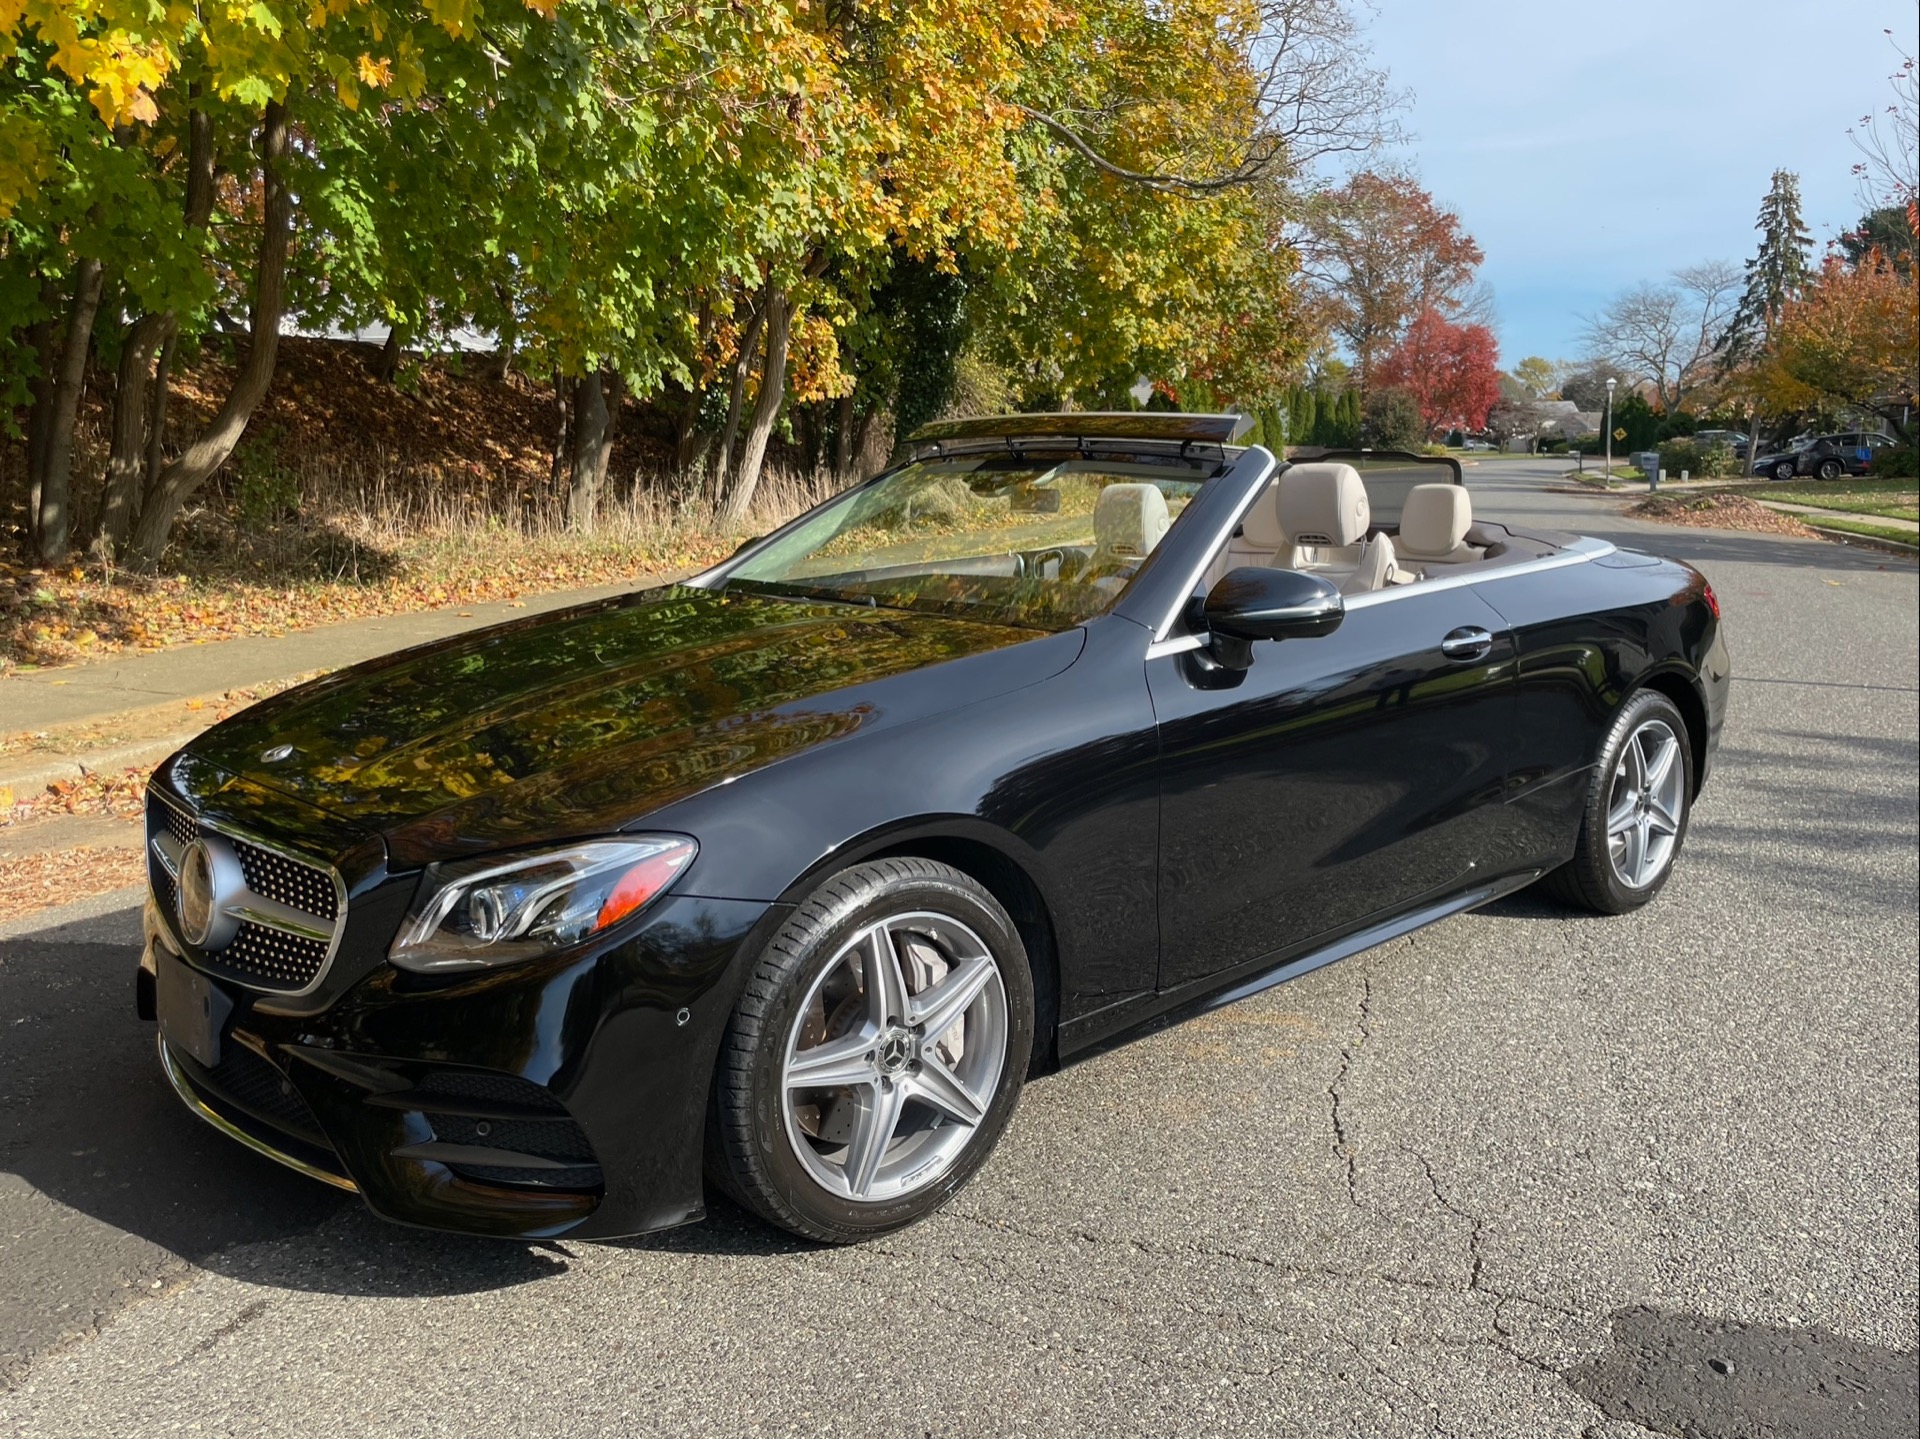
(1008, 539)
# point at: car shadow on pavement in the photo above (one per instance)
(90, 1123)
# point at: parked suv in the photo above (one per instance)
(1825, 457)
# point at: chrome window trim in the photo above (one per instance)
(1582, 551)
(257, 908)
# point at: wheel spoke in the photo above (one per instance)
(1662, 820)
(935, 1009)
(940, 1087)
(1635, 759)
(832, 1065)
(872, 1133)
(1662, 763)
(1636, 855)
(1620, 818)
(886, 985)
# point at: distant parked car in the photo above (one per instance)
(1728, 439)
(1825, 457)
(1470, 443)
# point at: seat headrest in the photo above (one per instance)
(1128, 521)
(1261, 528)
(1434, 521)
(1323, 504)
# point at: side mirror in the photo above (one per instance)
(1259, 604)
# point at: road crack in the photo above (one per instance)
(1336, 1092)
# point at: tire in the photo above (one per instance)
(891, 1142)
(1610, 878)
(1784, 470)
(1830, 469)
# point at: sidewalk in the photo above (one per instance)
(1885, 522)
(132, 712)
(74, 694)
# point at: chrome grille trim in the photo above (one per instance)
(272, 950)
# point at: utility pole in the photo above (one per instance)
(1609, 429)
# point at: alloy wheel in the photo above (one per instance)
(1645, 804)
(895, 1056)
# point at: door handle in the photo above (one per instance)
(1469, 642)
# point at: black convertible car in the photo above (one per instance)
(786, 878)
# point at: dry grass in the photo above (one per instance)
(383, 547)
(351, 497)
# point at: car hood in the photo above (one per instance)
(584, 720)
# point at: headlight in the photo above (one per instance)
(477, 912)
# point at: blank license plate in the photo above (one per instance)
(193, 1010)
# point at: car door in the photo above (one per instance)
(1336, 780)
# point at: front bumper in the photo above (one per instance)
(563, 1096)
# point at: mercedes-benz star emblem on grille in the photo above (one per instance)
(210, 880)
(275, 754)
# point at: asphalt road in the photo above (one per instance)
(1599, 1177)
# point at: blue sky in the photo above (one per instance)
(1590, 147)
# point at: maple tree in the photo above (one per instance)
(1381, 252)
(1848, 341)
(1448, 369)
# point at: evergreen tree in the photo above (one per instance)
(1777, 273)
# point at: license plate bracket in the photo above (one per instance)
(193, 1009)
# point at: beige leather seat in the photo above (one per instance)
(1260, 541)
(1324, 517)
(1128, 521)
(1433, 527)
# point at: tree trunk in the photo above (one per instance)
(387, 363)
(52, 517)
(209, 450)
(157, 409)
(127, 454)
(563, 392)
(140, 396)
(43, 338)
(592, 441)
(842, 436)
(736, 395)
(1753, 442)
(766, 409)
(689, 441)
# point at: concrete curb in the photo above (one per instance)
(1865, 542)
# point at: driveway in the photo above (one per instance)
(1523, 1174)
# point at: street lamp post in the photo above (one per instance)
(1609, 430)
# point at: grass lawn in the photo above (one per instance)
(1892, 499)
(1861, 527)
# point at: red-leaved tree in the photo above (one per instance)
(1449, 370)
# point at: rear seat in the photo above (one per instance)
(1434, 523)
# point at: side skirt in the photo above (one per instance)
(1217, 991)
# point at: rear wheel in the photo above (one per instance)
(1639, 800)
(1830, 469)
(877, 1054)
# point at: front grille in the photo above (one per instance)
(296, 885)
(260, 955)
(272, 958)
